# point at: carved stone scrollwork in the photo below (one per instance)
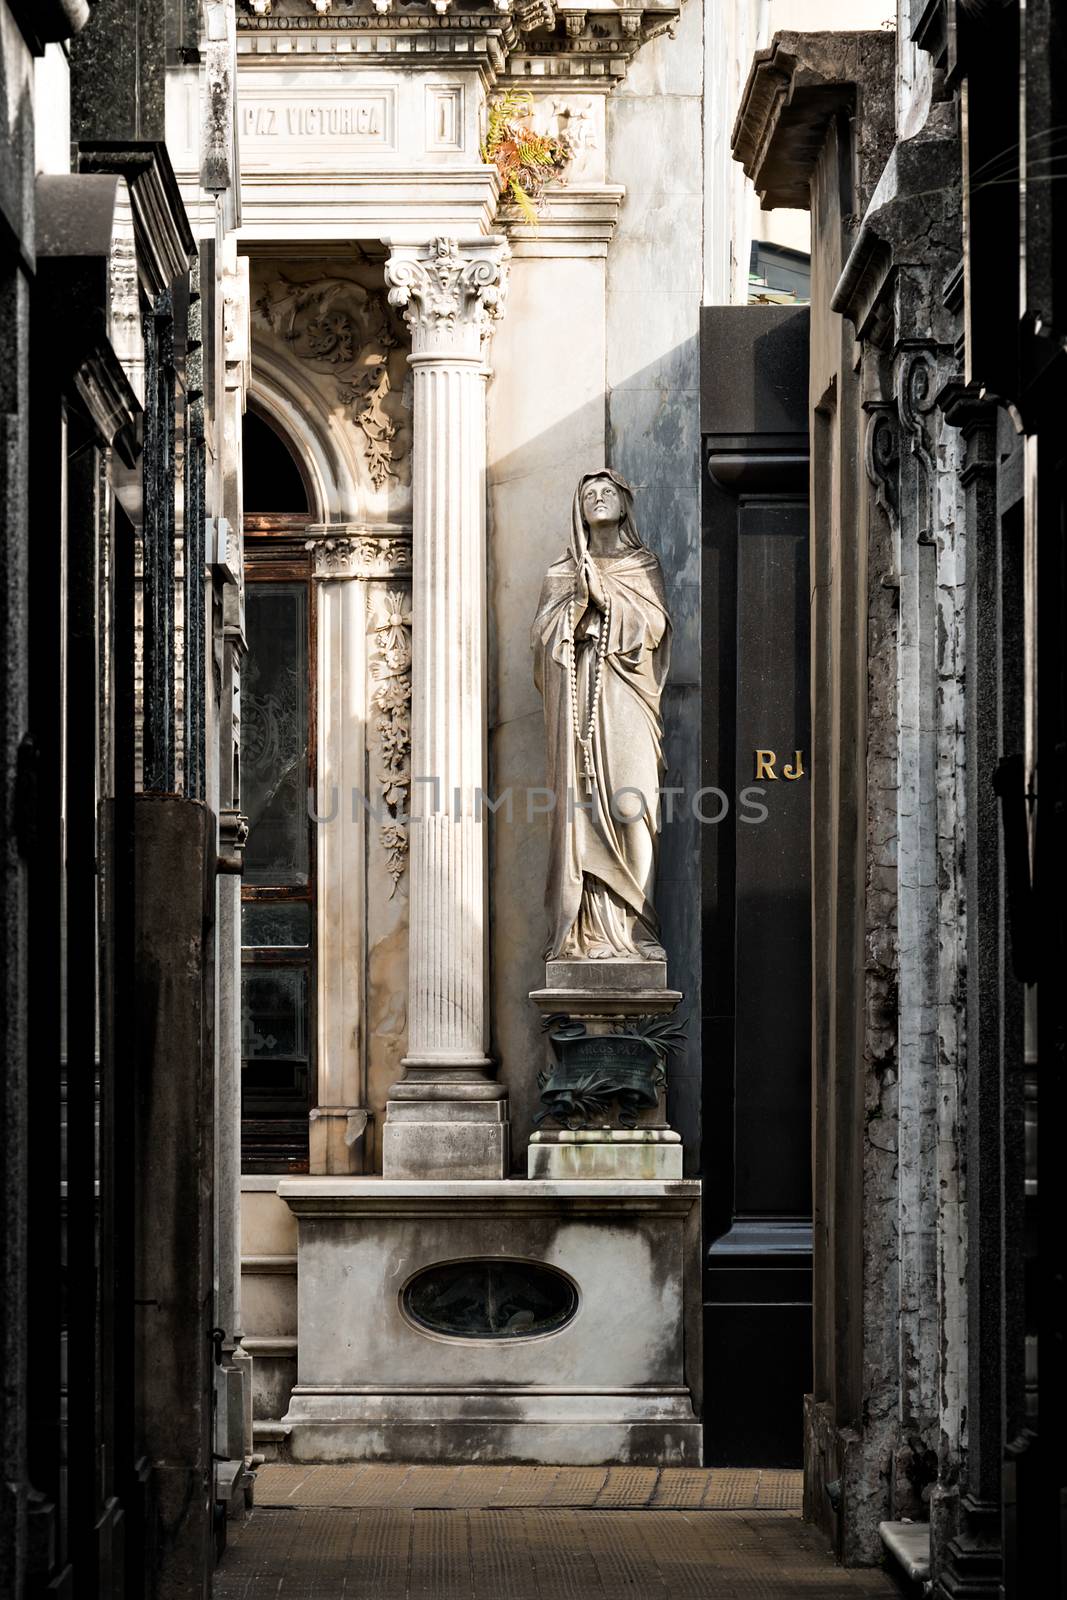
(338, 327)
(390, 617)
(881, 454)
(446, 290)
(916, 398)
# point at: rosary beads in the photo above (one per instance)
(585, 741)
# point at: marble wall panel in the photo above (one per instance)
(546, 428)
(654, 272)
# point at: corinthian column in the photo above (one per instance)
(446, 1118)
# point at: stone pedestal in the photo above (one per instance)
(600, 1377)
(446, 1116)
(641, 1153)
(606, 998)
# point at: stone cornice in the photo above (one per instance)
(795, 88)
(78, 224)
(577, 221)
(913, 220)
(165, 244)
(582, 42)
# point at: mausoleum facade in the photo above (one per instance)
(437, 362)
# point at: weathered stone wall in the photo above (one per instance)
(886, 1423)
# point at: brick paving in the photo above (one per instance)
(493, 1488)
(531, 1533)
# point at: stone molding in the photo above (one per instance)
(573, 222)
(344, 203)
(794, 89)
(323, 1196)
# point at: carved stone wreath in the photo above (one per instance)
(391, 699)
(341, 329)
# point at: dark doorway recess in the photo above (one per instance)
(756, 885)
(272, 480)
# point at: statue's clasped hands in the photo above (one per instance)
(590, 587)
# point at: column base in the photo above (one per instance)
(641, 1153)
(446, 1139)
(972, 1565)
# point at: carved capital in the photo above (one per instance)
(450, 293)
(362, 555)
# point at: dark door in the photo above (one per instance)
(756, 885)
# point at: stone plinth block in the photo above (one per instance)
(606, 989)
(623, 1153)
(440, 1139)
(335, 1138)
(514, 1321)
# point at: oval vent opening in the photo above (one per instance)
(490, 1299)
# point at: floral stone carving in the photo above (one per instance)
(338, 327)
(391, 700)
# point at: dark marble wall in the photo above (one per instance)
(118, 72)
(16, 254)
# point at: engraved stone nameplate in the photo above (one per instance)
(334, 123)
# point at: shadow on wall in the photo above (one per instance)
(653, 429)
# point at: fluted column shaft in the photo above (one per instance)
(446, 1021)
(450, 293)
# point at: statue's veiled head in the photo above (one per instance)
(603, 500)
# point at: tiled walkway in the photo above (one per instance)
(530, 1533)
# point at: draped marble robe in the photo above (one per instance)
(601, 872)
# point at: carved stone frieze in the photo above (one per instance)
(342, 330)
(361, 555)
(390, 628)
(605, 37)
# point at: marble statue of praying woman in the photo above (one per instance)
(601, 644)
